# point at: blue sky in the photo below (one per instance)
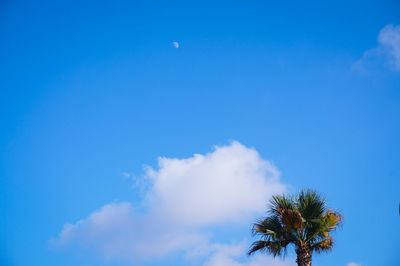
(101, 116)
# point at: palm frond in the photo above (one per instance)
(323, 245)
(329, 222)
(268, 227)
(275, 248)
(319, 229)
(292, 219)
(256, 246)
(281, 202)
(310, 204)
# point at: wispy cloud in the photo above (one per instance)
(387, 52)
(187, 200)
(353, 264)
(175, 44)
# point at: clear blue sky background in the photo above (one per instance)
(90, 89)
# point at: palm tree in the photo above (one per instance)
(303, 221)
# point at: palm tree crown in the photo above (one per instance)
(303, 221)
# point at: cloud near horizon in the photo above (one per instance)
(187, 199)
(353, 264)
(387, 52)
(224, 255)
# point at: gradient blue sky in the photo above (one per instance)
(90, 90)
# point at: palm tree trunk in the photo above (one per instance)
(303, 256)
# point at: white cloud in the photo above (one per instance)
(226, 185)
(117, 231)
(186, 199)
(353, 264)
(389, 41)
(387, 51)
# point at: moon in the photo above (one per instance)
(176, 44)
